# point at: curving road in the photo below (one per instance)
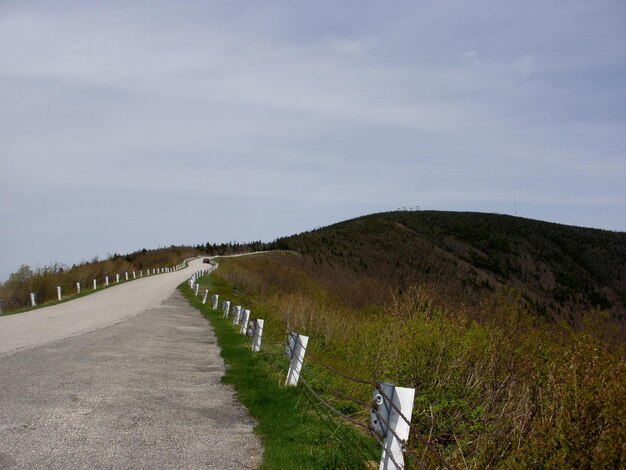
(128, 377)
(98, 310)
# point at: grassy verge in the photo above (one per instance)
(295, 430)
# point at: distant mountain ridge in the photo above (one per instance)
(562, 271)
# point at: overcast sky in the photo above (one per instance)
(126, 125)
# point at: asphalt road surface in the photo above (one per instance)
(128, 377)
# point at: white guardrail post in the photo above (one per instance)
(106, 281)
(257, 333)
(389, 422)
(78, 287)
(204, 297)
(296, 347)
(245, 317)
(95, 284)
(33, 299)
(226, 308)
(216, 299)
(236, 315)
(59, 293)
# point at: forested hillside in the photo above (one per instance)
(561, 271)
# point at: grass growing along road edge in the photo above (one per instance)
(295, 431)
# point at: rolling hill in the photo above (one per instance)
(561, 271)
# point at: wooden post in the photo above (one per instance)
(216, 299)
(258, 335)
(245, 318)
(33, 299)
(297, 347)
(59, 293)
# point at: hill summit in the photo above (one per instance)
(561, 271)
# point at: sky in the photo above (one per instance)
(130, 125)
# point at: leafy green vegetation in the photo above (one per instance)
(503, 389)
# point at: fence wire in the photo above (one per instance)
(333, 411)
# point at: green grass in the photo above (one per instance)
(295, 431)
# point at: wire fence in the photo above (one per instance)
(331, 403)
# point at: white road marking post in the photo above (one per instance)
(134, 275)
(95, 284)
(127, 275)
(106, 280)
(236, 315)
(258, 335)
(402, 398)
(296, 347)
(33, 299)
(197, 288)
(245, 318)
(117, 278)
(59, 293)
(226, 308)
(216, 298)
(206, 294)
(78, 287)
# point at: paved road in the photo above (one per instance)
(137, 385)
(98, 310)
